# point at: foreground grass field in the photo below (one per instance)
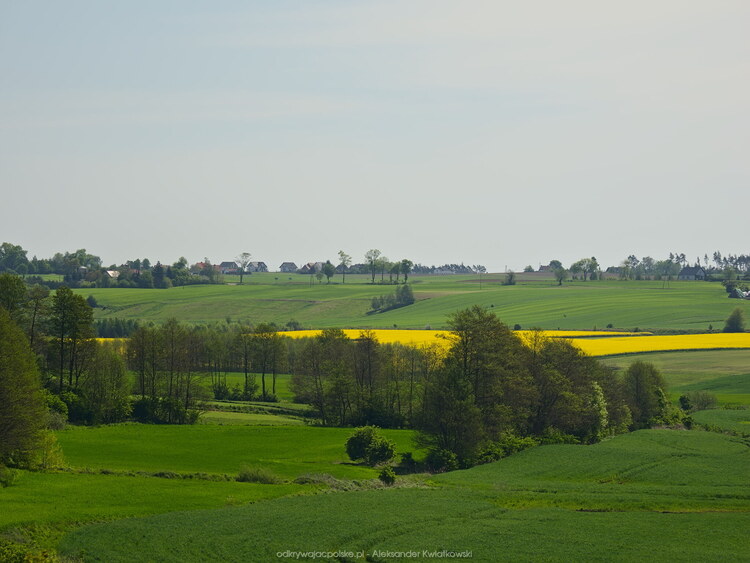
(660, 494)
(50, 498)
(538, 302)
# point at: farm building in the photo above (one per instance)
(288, 268)
(311, 268)
(229, 268)
(692, 273)
(257, 267)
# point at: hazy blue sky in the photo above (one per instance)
(491, 132)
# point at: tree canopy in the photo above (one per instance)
(23, 414)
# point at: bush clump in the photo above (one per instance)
(440, 460)
(8, 476)
(387, 475)
(368, 445)
(250, 474)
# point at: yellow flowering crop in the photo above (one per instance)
(389, 336)
(419, 337)
(633, 345)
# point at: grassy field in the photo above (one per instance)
(659, 494)
(734, 420)
(47, 498)
(288, 451)
(723, 372)
(248, 419)
(538, 302)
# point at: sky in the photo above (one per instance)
(479, 132)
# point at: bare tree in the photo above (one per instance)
(242, 261)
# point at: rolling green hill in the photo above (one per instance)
(535, 302)
(652, 494)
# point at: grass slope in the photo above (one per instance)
(45, 498)
(665, 494)
(734, 420)
(723, 372)
(575, 305)
(288, 451)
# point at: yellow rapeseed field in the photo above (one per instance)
(591, 342)
(634, 345)
(389, 336)
(418, 337)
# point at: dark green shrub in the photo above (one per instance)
(387, 475)
(685, 403)
(736, 321)
(370, 446)
(262, 475)
(441, 460)
(699, 400)
(554, 436)
(408, 463)
(380, 451)
(508, 444)
(7, 476)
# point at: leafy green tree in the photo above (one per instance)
(106, 388)
(344, 262)
(328, 270)
(585, 266)
(23, 414)
(71, 326)
(372, 257)
(394, 269)
(644, 387)
(482, 388)
(13, 295)
(561, 274)
(735, 321)
(406, 267)
(268, 355)
(13, 258)
(159, 276)
(37, 310)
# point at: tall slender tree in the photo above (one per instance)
(371, 257)
(344, 261)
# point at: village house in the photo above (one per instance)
(254, 267)
(311, 268)
(229, 268)
(692, 273)
(288, 268)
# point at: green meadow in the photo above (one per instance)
(535, 301)
(287, 451)
(725, 373)
(732, 420)
(51, 498)
(661, 494)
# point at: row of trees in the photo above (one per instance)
(487, 385)
(402, 297)
(14, 259)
